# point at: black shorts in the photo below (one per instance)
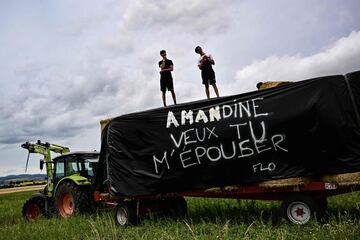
(208, 77)
(166, 83)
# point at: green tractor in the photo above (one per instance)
(69, 177)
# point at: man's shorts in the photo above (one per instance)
(208, 77)
(166, 83)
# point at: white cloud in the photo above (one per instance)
(179, 16)
(339, 58)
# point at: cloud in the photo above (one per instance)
(54, 101)
(179, 16)
(114, 71)
(339, 58)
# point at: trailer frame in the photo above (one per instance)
(300, 202)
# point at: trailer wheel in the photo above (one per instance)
(33, 208)
(323, 204)
(178, 207)
(71, 199)
(126, 214)
(300, 209)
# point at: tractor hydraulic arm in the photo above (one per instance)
(45, 149)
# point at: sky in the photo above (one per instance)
(67, 64)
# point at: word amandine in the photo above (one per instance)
(247, 109)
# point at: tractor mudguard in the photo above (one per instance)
(76, 179)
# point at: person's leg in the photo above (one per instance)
(207, 92)
(164, 98)
(163, 90)
(170, 87)
(216, 89)
(173, 96)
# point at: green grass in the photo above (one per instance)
(207, 219)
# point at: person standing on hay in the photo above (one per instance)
(207, 73)
(166, 80)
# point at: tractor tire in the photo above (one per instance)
(71, 199)
(126, 214)
(34, 208)
(300, 209)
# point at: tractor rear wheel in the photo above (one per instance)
(34, 208)
(71, 199)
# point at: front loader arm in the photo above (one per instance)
(45, 149)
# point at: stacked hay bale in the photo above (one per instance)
(270, 84)
(103, 124)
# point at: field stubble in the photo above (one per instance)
(207, 219)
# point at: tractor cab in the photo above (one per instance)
(75, 163)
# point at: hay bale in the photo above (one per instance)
(286, 182)
(345, 179)
(270, 84)
(103, 124)
(214, 190)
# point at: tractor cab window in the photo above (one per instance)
(88, 165)
(71, 165)
(89, 168)
(59, 168)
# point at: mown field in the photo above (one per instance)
(207, 219)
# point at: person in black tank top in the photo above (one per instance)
(166, 80)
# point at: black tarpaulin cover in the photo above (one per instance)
(305, 128)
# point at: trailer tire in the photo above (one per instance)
(126, 214)
(178, 207)
(300, 209)
(323, 204)
(33, 208)
(71, 199)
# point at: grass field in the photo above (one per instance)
(207, 219)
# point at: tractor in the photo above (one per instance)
(69, 178)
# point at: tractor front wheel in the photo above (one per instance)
(34, 208)
(71, 199)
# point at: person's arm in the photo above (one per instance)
(201, 61)
(206, 59)
(162, 64)
(210, 60)
(169, 69)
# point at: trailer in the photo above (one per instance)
(298, 143)
(302, 201)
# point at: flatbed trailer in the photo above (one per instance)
(253, 144)
(300, 203)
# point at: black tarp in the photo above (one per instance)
(305, 128)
